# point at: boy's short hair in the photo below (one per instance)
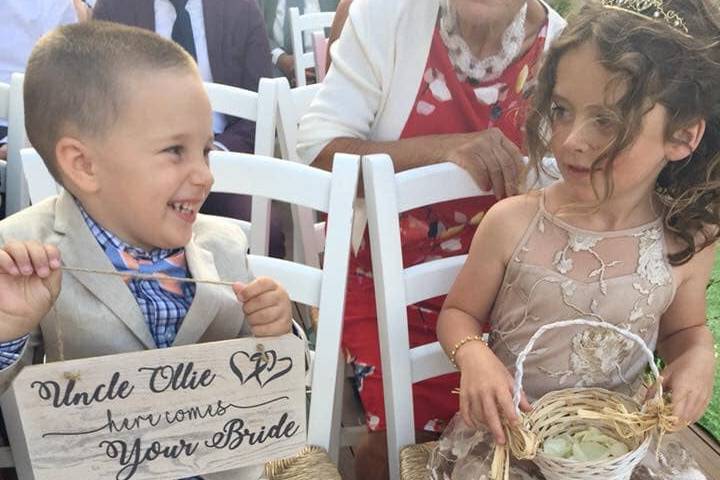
(74, 79)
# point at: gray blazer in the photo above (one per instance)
(98, 315)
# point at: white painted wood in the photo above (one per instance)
(305, 281)
(262, 175)
(299, 24)
(41, 184)
(442, 272)
(260, 107)
(16, 192)
(418, 186)
(330, 193)
(429, 361)
(191, 395)
(292, 105)
(387, 195)
(4, 100)
(234, 101)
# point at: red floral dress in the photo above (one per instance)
(444, 104)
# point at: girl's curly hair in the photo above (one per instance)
(652, 63)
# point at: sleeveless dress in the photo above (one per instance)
(560, 272)
(446, 103)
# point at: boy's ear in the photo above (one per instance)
(684, 141)
(76, 164)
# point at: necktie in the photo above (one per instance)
(172, 266)
(182, 29)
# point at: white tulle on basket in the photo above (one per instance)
(568, 411)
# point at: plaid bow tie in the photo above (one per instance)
(173, 265)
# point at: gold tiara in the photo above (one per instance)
(654, 9)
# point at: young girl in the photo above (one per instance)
(628, 102)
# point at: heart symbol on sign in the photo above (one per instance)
(264, 367)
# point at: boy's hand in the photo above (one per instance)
(690, 381)
(266, 305)
(486, 390)
(30, 280)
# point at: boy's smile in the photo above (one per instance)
(151, 173)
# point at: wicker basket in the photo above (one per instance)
(570, 410)
(312, 463)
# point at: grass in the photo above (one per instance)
(711, 420)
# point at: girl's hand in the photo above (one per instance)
(486, 390)
(690, 381)
(30, 280)
(266, 305)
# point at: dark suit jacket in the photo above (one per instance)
(269, 9)
(237, 45)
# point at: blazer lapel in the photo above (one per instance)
(79, 248)
(214, 24)
(206, 304)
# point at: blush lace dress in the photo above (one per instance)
(560, 272)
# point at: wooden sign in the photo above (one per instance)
(166, 413)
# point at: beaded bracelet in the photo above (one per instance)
(469, 338)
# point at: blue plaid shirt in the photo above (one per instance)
(163, 311)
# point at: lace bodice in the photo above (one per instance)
(559, 272)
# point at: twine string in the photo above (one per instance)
(146, 276)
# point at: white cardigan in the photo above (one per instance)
(377, 66)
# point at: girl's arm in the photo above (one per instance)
(486, 385)
(685, 342)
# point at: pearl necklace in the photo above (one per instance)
(462, 58)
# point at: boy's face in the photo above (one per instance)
(151, 167)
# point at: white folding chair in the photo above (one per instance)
(299, 24)
(259, 107)
(322, 191)
(40, 183)
(292, 104)
(387, 195)
(12, 180)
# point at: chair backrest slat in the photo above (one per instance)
(314, 193)
(387, 195)
(299, 24)
(16, 190)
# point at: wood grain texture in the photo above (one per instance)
(168, 413)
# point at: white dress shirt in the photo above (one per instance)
(165, 19)
(311, 6)
(23, 23)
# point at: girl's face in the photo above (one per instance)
(582, 129)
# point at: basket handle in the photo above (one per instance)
(519, 363)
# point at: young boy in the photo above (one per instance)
(121, 119)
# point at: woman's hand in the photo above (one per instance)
(30, 279)
(486, 390)
(492, 160)
(690, 381)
